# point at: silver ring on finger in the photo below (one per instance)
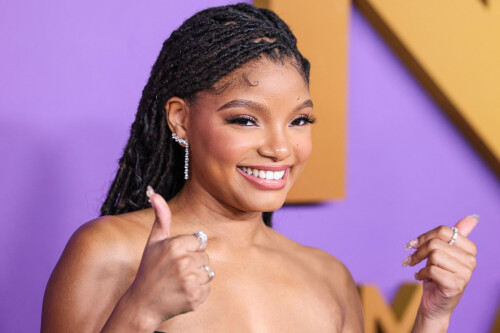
(202, 238)
(454, 237)
(210, 272)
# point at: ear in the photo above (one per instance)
(177, 112)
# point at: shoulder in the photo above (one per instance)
(342, 287)
(102, 242)
(327, 267)
(109, 235)
(322, 263)
(329, 272)
(94, 270)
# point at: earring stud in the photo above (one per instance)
(186, 154)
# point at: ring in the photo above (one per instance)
(202, 238)
(211, 273)
(454, 237)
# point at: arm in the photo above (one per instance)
(97, 287)
(346, 293)
(88, 280)
(353, 322)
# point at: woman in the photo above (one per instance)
(222, 131)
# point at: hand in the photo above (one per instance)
(173, 276)
(447, 271)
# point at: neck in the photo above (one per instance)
(228, 228)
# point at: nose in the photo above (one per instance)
(275, 145)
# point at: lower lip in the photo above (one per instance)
(265, 184)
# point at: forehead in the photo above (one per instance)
(276, 86)
(260, 74)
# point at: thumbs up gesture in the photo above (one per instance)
(450, 260)
(173, 276)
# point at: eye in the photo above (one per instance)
(303, 120)
(242, 120)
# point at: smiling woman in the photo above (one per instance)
(222, 132)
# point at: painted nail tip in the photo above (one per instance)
(406, 261)
(475, 216)
(411, 244)
(149, 191)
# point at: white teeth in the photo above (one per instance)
(264, 174)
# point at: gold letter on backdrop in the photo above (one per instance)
(321, 30)
(496, 325)
(453, 48)
(380, 317)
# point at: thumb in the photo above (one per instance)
(163, 217)
(467, 224)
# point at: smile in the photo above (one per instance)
(266, 177)
(263, 174)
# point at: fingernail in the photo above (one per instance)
(407, 261)
(416, 275)
(475, 216)
(411, 244)
(149, 192)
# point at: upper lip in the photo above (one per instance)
(267, 167)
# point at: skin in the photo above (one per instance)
(141, 271)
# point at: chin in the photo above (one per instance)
(266, 203)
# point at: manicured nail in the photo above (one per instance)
(475, 216)
(149, 192)
(416, 275)
(407, 261)
(411, 244)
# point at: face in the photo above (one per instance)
(250, 143)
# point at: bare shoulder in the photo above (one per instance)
(326, 270)
(102, 241)
(94, 270)
(322, 263)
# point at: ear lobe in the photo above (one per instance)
(176, 112)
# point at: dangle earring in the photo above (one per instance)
(186, 154)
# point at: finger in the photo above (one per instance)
(450, 283)
(445, 234)
(201, 294)
(467, 224)
(443, 255)
(447, 262)
(199, 259)
(186, 243)
(161, 226)
(451, 264)
(434, 273)
(205, 292)
(202, 239)
(208, 273)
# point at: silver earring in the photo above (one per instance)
(186, 154)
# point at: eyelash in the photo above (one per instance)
(243, 120)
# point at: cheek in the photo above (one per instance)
(216, 145)
(303, 147)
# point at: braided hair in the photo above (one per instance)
(203, 50)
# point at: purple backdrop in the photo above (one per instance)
(71, 78)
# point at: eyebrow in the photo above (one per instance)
(248, 104)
